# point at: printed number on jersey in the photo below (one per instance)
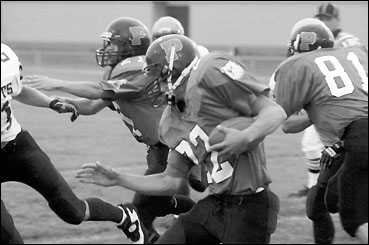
(220, 171)
(339, 72)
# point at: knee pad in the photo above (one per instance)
(71, 211)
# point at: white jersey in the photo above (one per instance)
(10, 86)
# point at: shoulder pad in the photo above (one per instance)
(132, 64)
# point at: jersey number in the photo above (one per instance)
(330, 75)
(220, 171)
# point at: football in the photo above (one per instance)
(239, 123)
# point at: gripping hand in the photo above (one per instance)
(331, 153)
(63, 107)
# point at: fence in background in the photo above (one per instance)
(260, 60)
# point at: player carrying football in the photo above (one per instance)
(240, 207)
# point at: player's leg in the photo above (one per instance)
(331, 199)
(353, 181)
(9, 234)
(246, 219)
(323, 227)
(198, 226)
(34, 168)
(312, 148)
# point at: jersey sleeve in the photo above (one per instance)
(178, 165)
(293, 81)
(232, 83)
(126, 80)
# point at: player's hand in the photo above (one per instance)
(39, 82)
(98, 174)
(233, 144)
(63, 107)
(331, 153)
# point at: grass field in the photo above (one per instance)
(104, 137)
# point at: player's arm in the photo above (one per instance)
(85, 89)
(269, 117)
(33, 97)
(162, 184)
(296, 123)
(87, 106)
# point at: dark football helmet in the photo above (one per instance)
(130, 35)
(310, 34)
(169, 58)
(166, 25)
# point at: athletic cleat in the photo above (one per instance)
(132, 226)
(301, 193)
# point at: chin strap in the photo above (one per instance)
(171, 99)
(171, 87)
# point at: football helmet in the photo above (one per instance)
(309, 34)
(166, 25)
(131, 36)
(170, 57)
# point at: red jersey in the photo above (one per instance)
(127, 81)
(330, 84)
(219, 88)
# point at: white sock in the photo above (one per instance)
(123, 217)
(312, 179)
(87, 212)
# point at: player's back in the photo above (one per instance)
(332, 87)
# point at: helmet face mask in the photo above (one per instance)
(310, 34)
(130, 36)
(157, 75)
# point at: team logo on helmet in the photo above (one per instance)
(233, 70)
(168, 45)
(138, 32)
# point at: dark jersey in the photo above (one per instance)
(330, 84)
(128, 82)
(218, 89)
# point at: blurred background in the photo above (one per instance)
(67, 33)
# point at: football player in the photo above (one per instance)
(331, 84)
(169, 25)
(124, 90)
(311, 143)
(201, 94)
(22, 160)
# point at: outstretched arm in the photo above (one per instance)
(33, 97)
(85, 89)
(162, 184)
(86, 106)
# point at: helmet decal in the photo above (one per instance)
(167, 47)
(307, 38)
(138, 32)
